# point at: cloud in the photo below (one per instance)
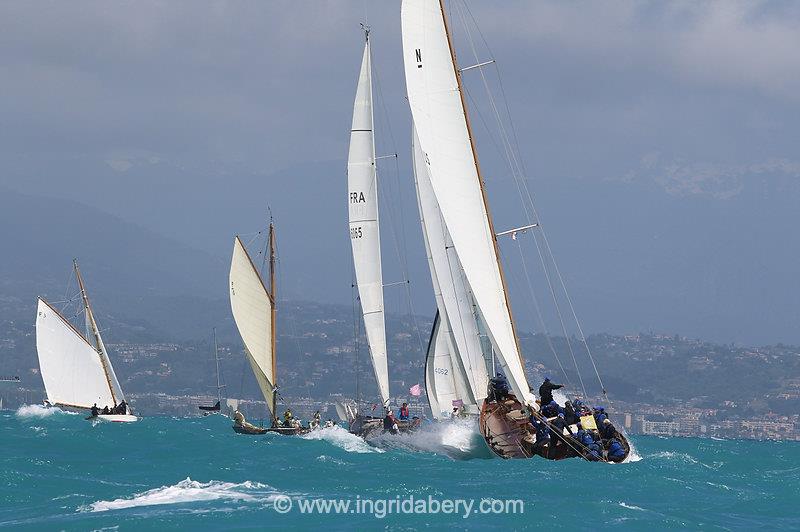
(725, 44)
(715, 180)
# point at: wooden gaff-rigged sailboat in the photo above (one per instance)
(254, 308)
(362, 199)
(77, 372)
(447, 148)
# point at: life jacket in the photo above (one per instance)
(404, 412)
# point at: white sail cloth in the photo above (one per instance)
(71, 368)
(440, 120)
(364, 228)
(453, 300)
(251, 305)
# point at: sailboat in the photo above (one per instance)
(456, 362)
(216, 407)
(362, 182)
(254, 308)
(76, 370)
(446, 158)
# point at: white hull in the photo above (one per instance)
(117, 418)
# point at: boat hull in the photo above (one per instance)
(505, 428)
(509, 434)
(116, 418)
(366, 427)
(253, 430)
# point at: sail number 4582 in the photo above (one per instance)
(355, 232)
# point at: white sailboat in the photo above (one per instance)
(455, 368)
(362, 200)
(253, 308)
(76, 371)
(458, 228)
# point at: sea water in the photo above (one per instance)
(61, 472)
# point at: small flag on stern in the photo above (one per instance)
(415, 390)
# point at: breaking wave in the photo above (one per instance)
(186, 491)
(343, 439)
(40, 411)
(458, 439)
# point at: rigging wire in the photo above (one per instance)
(518, 171)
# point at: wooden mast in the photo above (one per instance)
(95, 331)
(273, 321)
(481, 183)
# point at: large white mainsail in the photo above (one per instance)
(453, 300)
(71, 368)
(439, 115)
(252, 307)
(364, 228)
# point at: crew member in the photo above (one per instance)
(404, 412)
(546, 390)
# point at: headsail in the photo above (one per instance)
(439, 114)
(364, 229)
(453, 299)
(252, 307)
(71, 368)
(444, 384)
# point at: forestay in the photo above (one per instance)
(251, 305)
(439, 116)
(71, 368)
(364, 227)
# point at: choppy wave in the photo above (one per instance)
(343, 439)
(186, 491)
(458, 439)
(30, 411)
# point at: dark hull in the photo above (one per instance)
(506, 436)
(366, 427)
(509, 434)
(252, 430)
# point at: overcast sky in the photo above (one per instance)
(188, 118)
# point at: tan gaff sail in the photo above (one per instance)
(362, 200)
(437, 107)
(252, 305)
(71, 368)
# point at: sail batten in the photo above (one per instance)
(364, 224)
(251, 305)
(439, 115)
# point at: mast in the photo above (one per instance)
(95, 330)
(216, 360)
(273, 315)
(481, 182)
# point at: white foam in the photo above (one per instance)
(342, 438)
(454, 438)
(188, 491)
(632, 507)
(40, 411)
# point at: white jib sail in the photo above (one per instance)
(71, 368)
(364, 228)
(443, 384)
(452, 295)
(112, 377)
(440, 120)
(251, 305)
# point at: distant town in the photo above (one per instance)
(662, 385)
